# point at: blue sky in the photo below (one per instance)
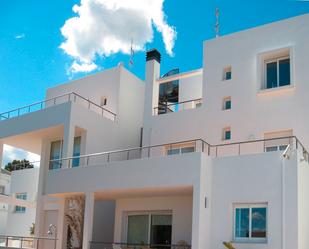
(31, 59)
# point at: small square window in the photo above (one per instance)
(227, 103)
(227, 134)
(227, 73)
(103, 101)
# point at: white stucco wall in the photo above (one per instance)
(255, 179)
(253, 113)
(23, 181)
(5, 182)
(303, 202)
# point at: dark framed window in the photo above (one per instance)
(278, 72)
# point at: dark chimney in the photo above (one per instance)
(153, 54)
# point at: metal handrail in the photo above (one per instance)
(179, 103)
(126, 150)
(139, 245)
(205, 147)
(40, 104)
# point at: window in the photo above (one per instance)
(21, 196)
(55, 154)
(76, 151)
(277, 140)
(277, 72)
(227, 134)
(181, 150)
(227, 73)
(275, 148)
(227, 103)
(250, 222)
(149, 228)
(103, 101)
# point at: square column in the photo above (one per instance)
(62, 226)
(88, 220)
(68, 142)
(201, 210)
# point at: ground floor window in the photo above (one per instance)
(149, 228)
(250, 222)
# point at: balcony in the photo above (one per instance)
(65, 98)
(177, 107)
(184, 147)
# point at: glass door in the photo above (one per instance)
(161, 230)
(138, 229)
(153, 229)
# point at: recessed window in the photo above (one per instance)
(277, 140)
(181, 150)
(227, 103)
(56, 150)
(227, 134)
(250, 222)
(277, 72)
(227, 73)
(275, 148)
(103, 101)
(21, 196)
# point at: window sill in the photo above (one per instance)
(274, 90)
(249, 241)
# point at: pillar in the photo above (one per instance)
(88, 220)
(62, 226)
(68, 143)
(153, 59)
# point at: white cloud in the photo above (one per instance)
(105, 27)
(83, 67)
(10, 153)
(20, 36)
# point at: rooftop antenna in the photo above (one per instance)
(217, 27)
(131, 62)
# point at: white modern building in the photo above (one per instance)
(190, 159)
(18, 201)
(5, 180)
(24, 186)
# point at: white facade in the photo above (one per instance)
(226, 163)
(5, 178)
(20, 220)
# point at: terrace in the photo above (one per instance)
(184, 147)
(64, 98)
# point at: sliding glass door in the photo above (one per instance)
(153, 229)
(138, 229)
